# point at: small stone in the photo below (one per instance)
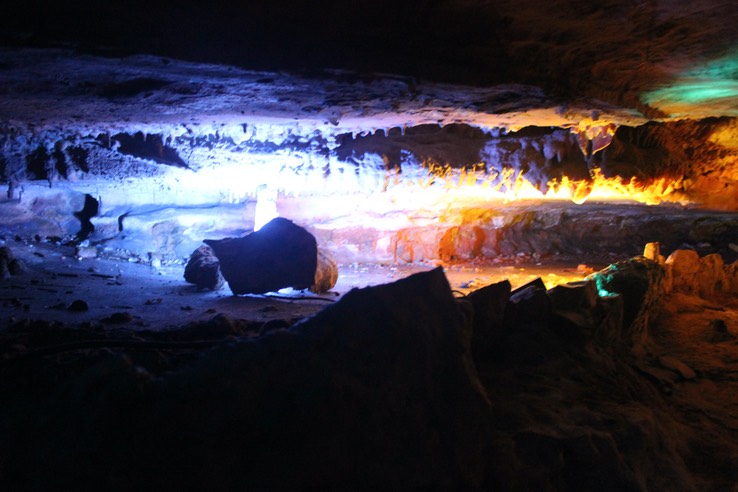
(528, 303)
(78, 306)
(652, 251)
(222, 325)
(86, 252)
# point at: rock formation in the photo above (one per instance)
(397, 386)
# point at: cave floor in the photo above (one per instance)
(121, 291)
(680, 385)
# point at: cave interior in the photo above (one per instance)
(528, 215)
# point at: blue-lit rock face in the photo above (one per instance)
(380, 168)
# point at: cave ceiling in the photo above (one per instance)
(484, 63)
(663, 57)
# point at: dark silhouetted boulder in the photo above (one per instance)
(489, 304)
(281, 254)
(373, 393)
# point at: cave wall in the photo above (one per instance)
(698, 156)
(160, 194)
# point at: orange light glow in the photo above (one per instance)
(510, 186)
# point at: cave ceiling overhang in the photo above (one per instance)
(56, 90)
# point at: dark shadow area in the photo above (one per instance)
(458, 145)
(147, 146)
(36, 164)
(89, 210)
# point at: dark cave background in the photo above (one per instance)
(611, 50)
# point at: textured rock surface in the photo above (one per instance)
(326, 272)
(707, 276)
(203, 269)
(639, 282)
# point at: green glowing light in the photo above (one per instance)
(696, 92)
(602, 280)
(605, 293)
(714, 84)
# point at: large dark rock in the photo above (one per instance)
(373, 393)
(528, 304)
(281, 254)
(489, 304)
